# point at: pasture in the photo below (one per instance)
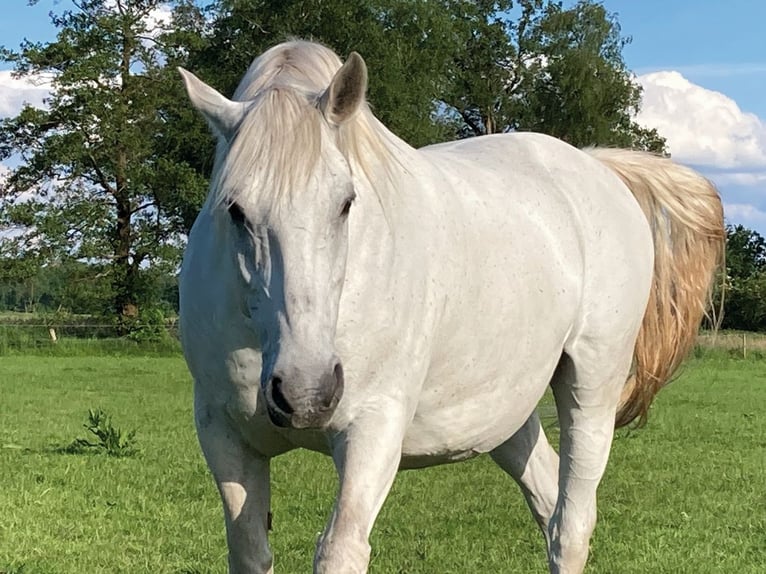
(685, 494)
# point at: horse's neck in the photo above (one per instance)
(395, 230)
(391, 200)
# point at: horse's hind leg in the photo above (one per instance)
(534, 465)
(242, 477)
(587, 390)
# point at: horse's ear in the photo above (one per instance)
(221, 113)
(343, 98)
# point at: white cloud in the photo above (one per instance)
(15, 92)
(702, 127)
(159, 19)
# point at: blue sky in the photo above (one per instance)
(20, 20)
(720, 45)
(702, 64)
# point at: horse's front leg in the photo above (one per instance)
(367, 456)
(242, 477)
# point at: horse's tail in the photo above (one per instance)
(686, 218)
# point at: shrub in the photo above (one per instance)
(149, 326)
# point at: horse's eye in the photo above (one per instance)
(347, 206)
(236, 213)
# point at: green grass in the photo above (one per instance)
(685, 494)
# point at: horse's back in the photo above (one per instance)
(584, 209)
(527, 161)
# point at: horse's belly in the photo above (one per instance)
(470, 417)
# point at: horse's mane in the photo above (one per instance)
(279, 141)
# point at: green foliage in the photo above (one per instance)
(149, 326)
(67, 286)
(441, 68)
(79, 288)
(547, 69)
(109, 439)
(745, 303)
(745, 252)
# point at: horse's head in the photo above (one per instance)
(284, 194)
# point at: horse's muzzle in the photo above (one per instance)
(288, 406)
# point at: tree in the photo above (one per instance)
(484, 62)
(745, 303)
(551, 70)
(18, 283)
(745, 252)
(406, 45)
(93, 183)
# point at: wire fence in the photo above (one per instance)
(81, 330)
(20, 335)
(736, 343)
(57, 337)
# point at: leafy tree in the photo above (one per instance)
(484, 66)
(552, 70)
(79, 288)
(745, 303)
(745, 306)
(18, 284)
(745, 252)
(93, 182)
(440, 68)
(407, 46)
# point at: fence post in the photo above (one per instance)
(744, 345)
(52, 333)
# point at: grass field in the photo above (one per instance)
(685, 494)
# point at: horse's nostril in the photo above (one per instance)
(337, 388)
(338, 370)
(279, 399)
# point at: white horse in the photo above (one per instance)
(344, 292)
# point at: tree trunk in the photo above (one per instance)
(125, 273)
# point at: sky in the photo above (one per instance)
(701, 63)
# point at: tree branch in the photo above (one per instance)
(102, 180)
(142, 207)
(475, 128)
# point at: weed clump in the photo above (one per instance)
(109, 439)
